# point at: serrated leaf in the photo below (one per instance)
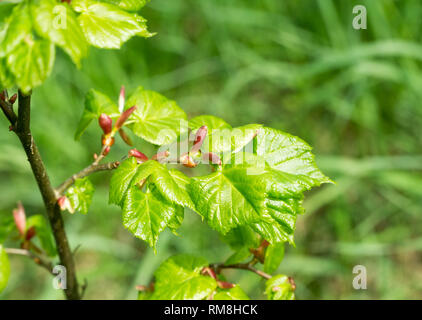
(176, 221)
(212, 123)
(251, 193)
(279, 288)
(239, 256)
(80, 195)
(58, 24)
(107, 26)
(288, 153)
(225, 140)
(146, 214)
(235, 293)
(4, 268)
(16, 27)
(179, 278)
(274, 254)
(156, 119)
(129, 5)
(43, 233)
(31, 62)
(96, 103)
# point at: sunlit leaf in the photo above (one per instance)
(80, 195)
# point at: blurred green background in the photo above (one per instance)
(299, 66)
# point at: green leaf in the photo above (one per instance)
(230, 140)
(249, 192)
(16, 27)
(157, 119)
(144, 295)
(212, 123)
(176, 221)
(288, 153)
(274, 254)
(235, 293)
(80, 195)
(107, 26)
(96, 103)
(146, 214)
(239, 256)
(4, 268)
(279, 288)
(31, 62)
(179, 278)
(43, 233)
(129, 5)
(59, 24)
(241, 237)
(7, 79)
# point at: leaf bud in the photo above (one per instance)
(20, 218)
(123, 117)
(13, 98)
(138, 155)
(199, 139)
(122, 99)
(105, 123)
(125, 137)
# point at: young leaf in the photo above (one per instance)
(146, 214)
(7, 79)
(4, 268)
(212, 123)
(280, 287)
(64, 32)
(43, 233)
(7, 226)
(235, 293)
(157, 119)
(96, 103)
(288, 153)
(176, 221)
(129, 5)
(17, 27)
(273, 256)
(80, 195)
(107, 26)
(179, 278)
(31, 62)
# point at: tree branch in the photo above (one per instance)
(86, 172)
(7, 109)
(38, 259)
(243, 266)
(23, 131)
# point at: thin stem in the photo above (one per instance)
(243, 266)
(38, 259)
(7, 109)
(86, 172)
(48, 194)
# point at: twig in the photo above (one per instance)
(86, 172)
(22, 129)
(38, 259)
(7, 109)
(243, 266)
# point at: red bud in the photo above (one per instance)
(212, 157)
(209, 271)
(225, 285)
(125, 137)
(199, 139)
(122, 99)
(13, 98)
(138, 154)
(64, 204)
(123, 117)
(105, 123)
(106, 150)
(2, 96)
(20, 218)
(30, 233)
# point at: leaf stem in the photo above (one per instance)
(38, 259)
(242, 266)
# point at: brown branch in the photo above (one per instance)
(38, 259)
(23, 131)
(243, 266)
(86, 172)
(7, 109)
